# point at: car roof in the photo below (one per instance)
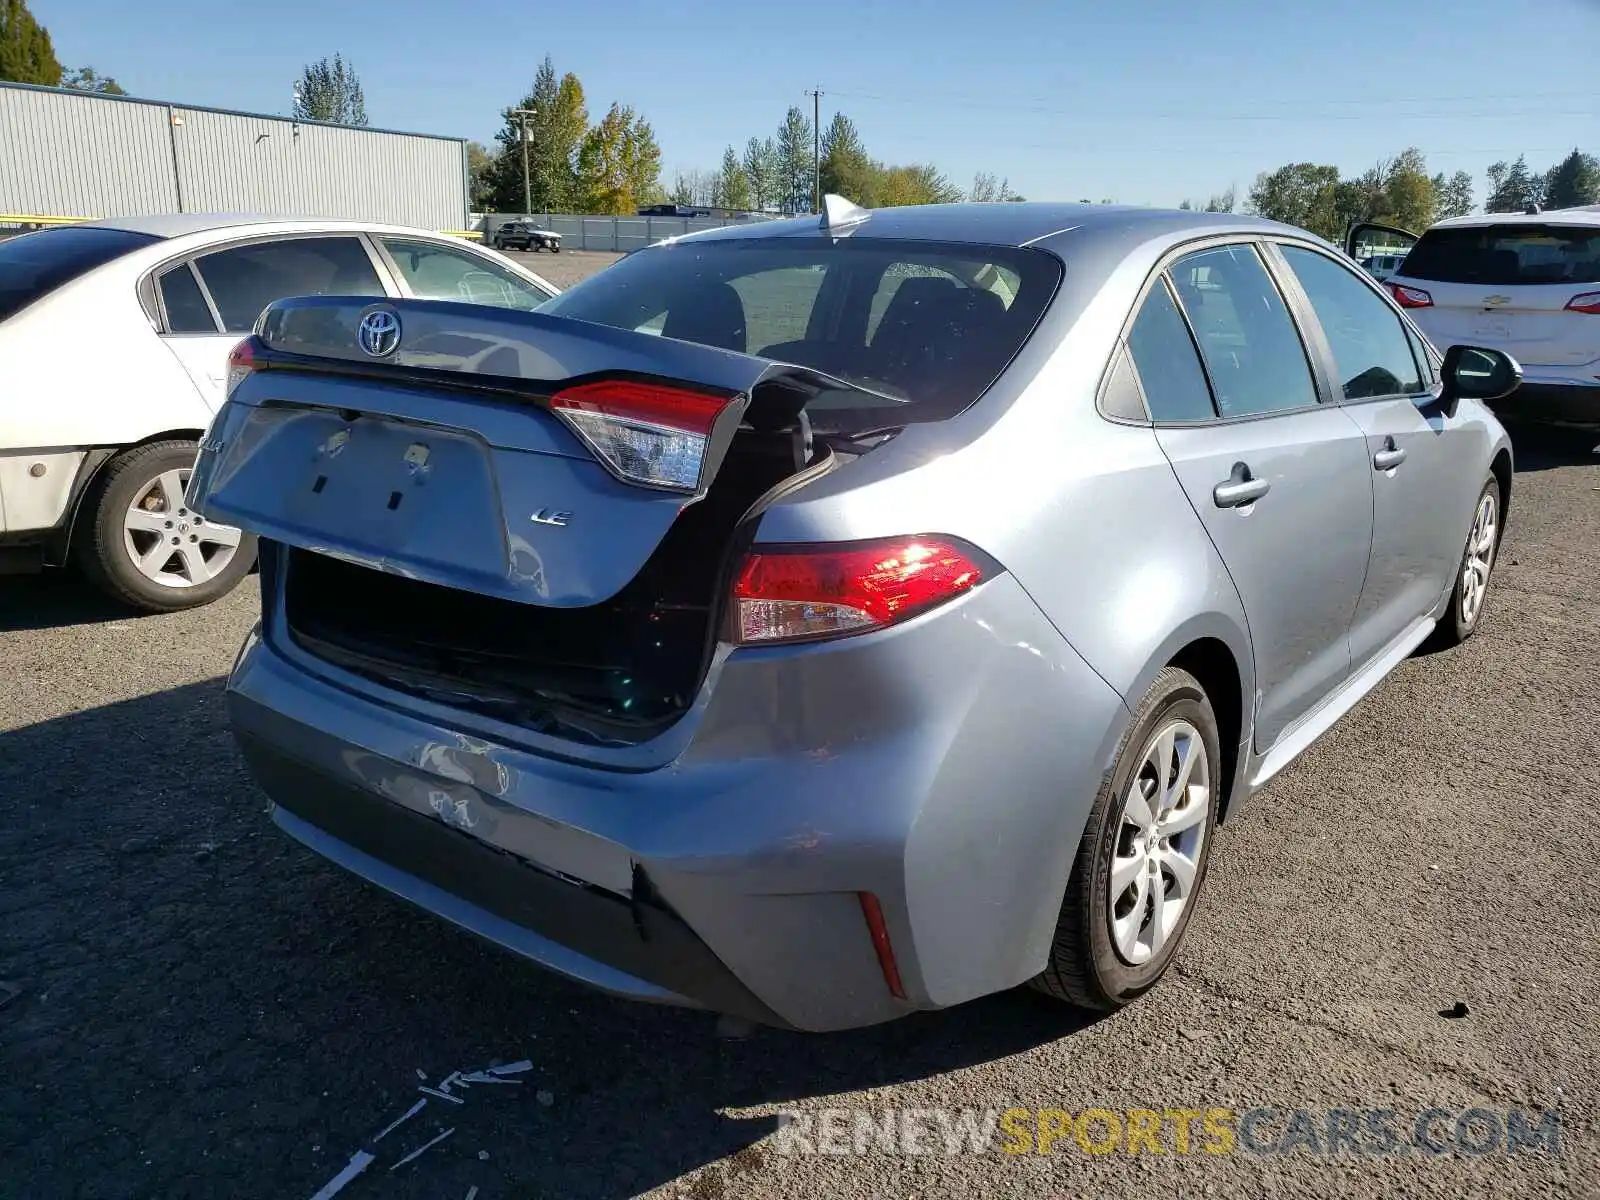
(1011, 224)
(1587, 215)
(172, 225)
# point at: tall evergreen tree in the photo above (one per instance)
(795, 150)
(330, 90)
(26, 55)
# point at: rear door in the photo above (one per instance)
(211, 302)
(1425, 468)
(1512, 287)
(1279, 480)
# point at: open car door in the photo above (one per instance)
(1365, 240)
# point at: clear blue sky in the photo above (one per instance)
(1143, 102)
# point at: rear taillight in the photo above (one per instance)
(792, 594)
(241, 361)
(644, 433)
(1588, 302)
(1410, 297)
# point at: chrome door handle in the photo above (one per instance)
(1239, 489)
(1388, 459)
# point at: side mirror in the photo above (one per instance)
(1474, 373)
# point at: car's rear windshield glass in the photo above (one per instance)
(33, 264)
(1504, 255)
(929, 326)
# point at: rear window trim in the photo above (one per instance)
(910, 247)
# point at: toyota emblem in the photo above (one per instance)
(379, 333)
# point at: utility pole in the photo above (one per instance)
(527, 186)
(816, 148)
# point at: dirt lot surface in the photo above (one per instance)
(205, 1009)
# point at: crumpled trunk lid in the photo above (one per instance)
(442, 461)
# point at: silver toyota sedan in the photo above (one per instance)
(824, 620)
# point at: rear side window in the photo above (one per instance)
(1164, 355)
(1506, 255)
(1369, 343)
(35, 264)
(1252, 350)
(187, 311)
(434, 272)
(245, 279)
(927, 325)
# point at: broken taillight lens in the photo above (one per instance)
(644, 433)
(784, 595)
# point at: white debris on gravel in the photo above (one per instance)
(515, 1068)
(359, 1162)
(417, 1153)
(400, 1120)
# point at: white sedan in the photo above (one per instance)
(114, 343)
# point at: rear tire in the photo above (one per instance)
(1470, 595)
(136, 509)
(1148, 828)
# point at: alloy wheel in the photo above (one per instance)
(1479, 558)
(170, 544)
(1161, 833)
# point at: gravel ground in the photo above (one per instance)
(564, 269)
(206, 1009)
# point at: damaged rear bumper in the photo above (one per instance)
(631, 947)
(944, 769)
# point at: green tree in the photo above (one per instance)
(641, 160)
(26, 55)
(1453, 196)
(1225, 202)
(762, 169)
(86, 79)
(480, 165)
(1407, 191)
(330, 90)
(986, 189)
(918, 183)
(619, 164)
(795, 149)
(733, 185)
(556, 122)
(1303, 194)
(846, 170)
(1574, 181)
(1514, 190)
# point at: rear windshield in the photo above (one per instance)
(33, 264)
(928, 326)
(1500, 255)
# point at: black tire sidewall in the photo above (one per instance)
(1182, 699)
(105, 557)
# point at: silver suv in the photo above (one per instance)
(819, 621)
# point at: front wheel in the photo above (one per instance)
(1471, 592)
(144, 546)
(1144, 852)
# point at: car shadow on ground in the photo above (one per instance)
(54, 600)
(1540, 447)
(204, 997)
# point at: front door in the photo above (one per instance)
(1279, 481)
(1420, 462)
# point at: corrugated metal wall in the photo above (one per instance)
(75, 155)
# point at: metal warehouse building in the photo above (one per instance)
(76, 154)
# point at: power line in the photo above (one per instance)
(1301, 112)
